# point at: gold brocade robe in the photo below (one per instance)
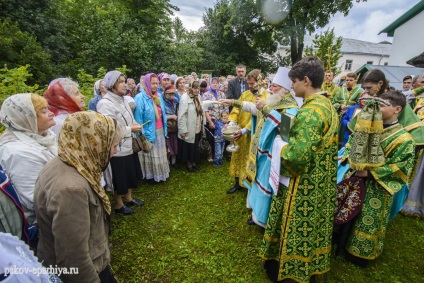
(330, 89)
(243, 119)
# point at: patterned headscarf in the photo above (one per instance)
(19, 117)
(84, 143)
(59, 100)
(110, 79)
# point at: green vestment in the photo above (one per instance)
(345, 97)
(300, 223)
(366, 238)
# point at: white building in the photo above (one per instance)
(355, 53)
(408, 44)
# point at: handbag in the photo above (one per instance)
(172, 126)
(141, 143)
(204, 147)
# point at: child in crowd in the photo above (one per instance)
(219, 139)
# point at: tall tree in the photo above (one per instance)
(305, 16)
(231, 36)
(328, 48)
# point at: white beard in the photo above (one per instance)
(274, 98)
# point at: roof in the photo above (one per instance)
(394, 74)
(415, 10)
(417, 61)
(354, 46)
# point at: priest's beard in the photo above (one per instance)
(274, 98)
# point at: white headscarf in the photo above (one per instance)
(110, 79)
(19, 117)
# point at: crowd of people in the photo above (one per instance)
(325, 166)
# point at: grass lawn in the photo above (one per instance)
(190, 230)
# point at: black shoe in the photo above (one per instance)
(124, 210)
(197, 167)
(175, 166)
(190, 169)
(151, 182)
(134, 202)
(250, 222)
(233, 189)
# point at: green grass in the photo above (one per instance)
(190, 230)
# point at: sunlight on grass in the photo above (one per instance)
(190, 230)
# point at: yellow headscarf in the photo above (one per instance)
(84, 143)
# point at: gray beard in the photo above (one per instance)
(274, 99)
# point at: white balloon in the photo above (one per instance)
(275, 11)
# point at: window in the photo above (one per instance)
(369, 62)
(348, 65)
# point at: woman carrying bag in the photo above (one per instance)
(190, 123)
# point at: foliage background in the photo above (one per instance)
(55, 38)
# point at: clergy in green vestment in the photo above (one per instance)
(297, 239)
(328, 86)
(367, 234)
(347, 96)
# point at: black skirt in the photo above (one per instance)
(126, 172)
(189, 151)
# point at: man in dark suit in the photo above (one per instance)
(238, 85)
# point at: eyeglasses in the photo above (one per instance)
(170, 93)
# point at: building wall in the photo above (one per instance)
(358, 60)
(407, 41)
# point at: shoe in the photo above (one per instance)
(124, 210)
(221, 162)
(151, 182)
(233, 190)
(250, 222)
(190, 169)
(134, 202)
(197, 167)
(175, 166)
(217, 164)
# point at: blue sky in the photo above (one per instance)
(364, 22)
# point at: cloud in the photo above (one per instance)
(364, 21)
(191, 12)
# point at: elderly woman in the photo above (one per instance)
(149, 109)
(64, 98)
(27, 144)
(214, 111)
(125, 165)
(99, 92)
(190, 121)
(73, 210)
(170, 101)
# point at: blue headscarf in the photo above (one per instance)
(214, 91)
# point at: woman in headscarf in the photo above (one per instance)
(73, 210)
(125, 165)
(27, 144)
(151, 111)
(169, 100)
(190, 122)
(64, 98)
(99, 92)
(213, 112)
